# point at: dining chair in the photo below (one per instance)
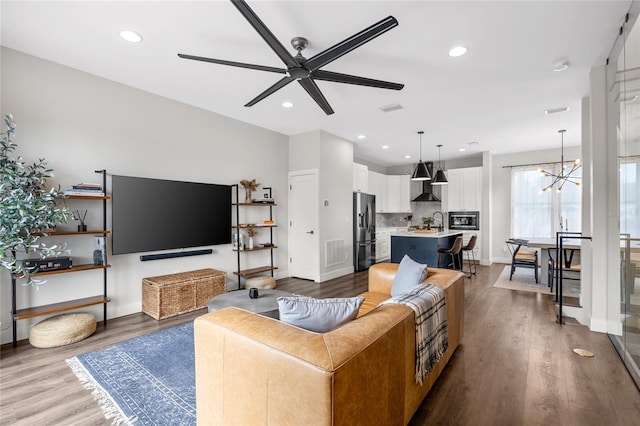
(522, 258)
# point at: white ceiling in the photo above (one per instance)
(495, 95)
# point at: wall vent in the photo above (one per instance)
(392, 107)
(334, 252)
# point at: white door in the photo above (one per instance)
(304, 257)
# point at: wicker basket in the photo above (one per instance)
(170, 295)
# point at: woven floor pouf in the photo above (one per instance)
(260, 282)
(62, 330)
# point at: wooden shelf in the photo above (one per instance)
(98, 231)
(87, 197)
(259, 248)
(75, 268)
(59, 307)
(255, 226)
(253, 204)
(253, 271)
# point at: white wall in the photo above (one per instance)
(332, 156)
(81, 123)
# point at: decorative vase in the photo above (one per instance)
(247, 195)
(250, 243)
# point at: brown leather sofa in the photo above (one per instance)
(254, 370)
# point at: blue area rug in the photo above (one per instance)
(148, 380)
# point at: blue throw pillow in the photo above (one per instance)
(319, 315)
(410, 274)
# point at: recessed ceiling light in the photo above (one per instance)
(462, 149)
(407, 156)
(560, 66)
(457, 51)
(556, 110)
(385, 146)
(287, 104)
(131, 36)
(361, 136)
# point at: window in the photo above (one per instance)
(538, 214)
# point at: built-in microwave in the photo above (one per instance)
(464, 220)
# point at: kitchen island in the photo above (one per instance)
(423, 247)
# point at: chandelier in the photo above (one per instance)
(562, 178)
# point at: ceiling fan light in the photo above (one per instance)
(440, 178)
(421, 172)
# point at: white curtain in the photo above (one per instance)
(538, 214)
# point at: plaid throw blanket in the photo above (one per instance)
(432, 340)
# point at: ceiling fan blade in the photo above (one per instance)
(353, 79)
(351, 43)
(279, 85)
(265, 33)
(314, 91)
(234, 64)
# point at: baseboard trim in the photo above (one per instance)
(335, 274)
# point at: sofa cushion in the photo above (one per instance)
(318, 315)
(410, 274)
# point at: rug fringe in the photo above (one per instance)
(109, 407)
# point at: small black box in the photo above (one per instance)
(49, 263)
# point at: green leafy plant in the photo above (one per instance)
(26, 207)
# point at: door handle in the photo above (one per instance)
(310, 232)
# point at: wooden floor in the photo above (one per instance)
(515, 366)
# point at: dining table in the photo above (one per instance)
(547, 246)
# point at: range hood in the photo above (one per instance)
(427, 188)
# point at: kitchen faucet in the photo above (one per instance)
(441, 226)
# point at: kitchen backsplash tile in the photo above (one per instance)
(418, 211)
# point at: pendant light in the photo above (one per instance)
(562, 178)
(440, 178)
(421, 172)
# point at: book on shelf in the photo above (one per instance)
(84, 193)
(85, 189)
(88, 186)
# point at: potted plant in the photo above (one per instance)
(27, 208)
(427, 220)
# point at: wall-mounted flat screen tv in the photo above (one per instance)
(155, 214)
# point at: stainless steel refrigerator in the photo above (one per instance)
(364, 230)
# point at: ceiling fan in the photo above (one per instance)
(306, 71)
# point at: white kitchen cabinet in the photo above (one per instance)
(393, 193)
(466, 236)
(360, 178)
(383, 244)
(405, 194)
(464, 191)
(398, 194)
(378, 187)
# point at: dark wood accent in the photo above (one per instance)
(254, 226)
(98, 232)
(253, 271)
(515, 365)
(87, 197)
(75, 268)
(254, 204)
(55, 308)
(259, 248)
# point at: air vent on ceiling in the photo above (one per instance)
(392, 107)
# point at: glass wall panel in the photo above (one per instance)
(623, 84)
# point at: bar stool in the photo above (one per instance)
(470, 254)
(454, 251)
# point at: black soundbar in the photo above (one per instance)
(146, 257)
